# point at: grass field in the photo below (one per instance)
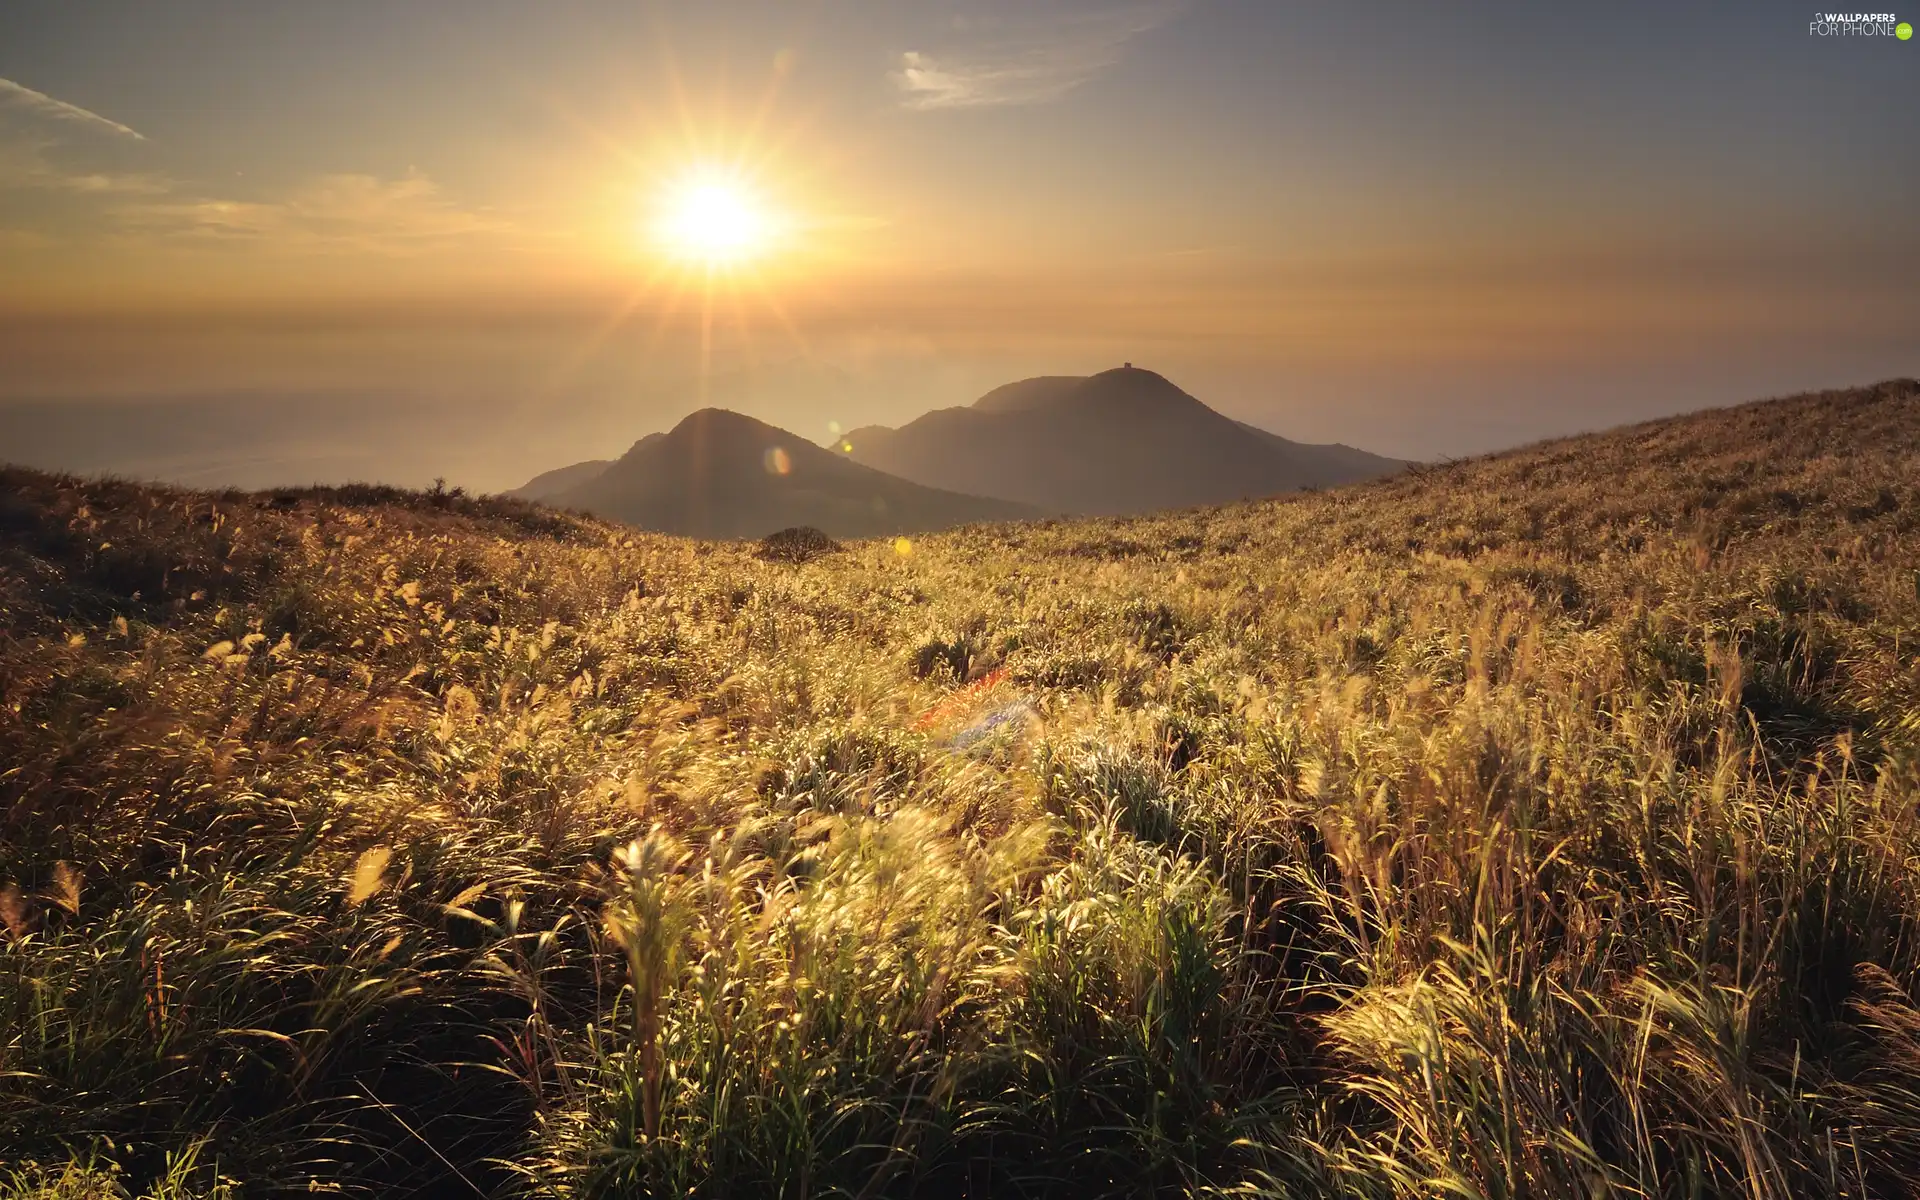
(1535, 826)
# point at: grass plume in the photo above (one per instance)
(1540, 825)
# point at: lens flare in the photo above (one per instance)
(776, 461)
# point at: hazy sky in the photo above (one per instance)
(1424, 229)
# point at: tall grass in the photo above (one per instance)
(1543, 825)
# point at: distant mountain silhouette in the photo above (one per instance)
(1024, 395)
(1122, 441)
(560, 480)
(551, 485)
(719, 474)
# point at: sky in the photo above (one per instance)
(271, 242)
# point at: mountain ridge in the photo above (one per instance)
(1123, 441)
(722, 474)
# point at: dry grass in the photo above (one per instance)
(1542, 825)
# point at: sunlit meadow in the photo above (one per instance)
(1538, 825)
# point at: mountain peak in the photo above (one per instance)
(1137, 390)
(720, 473)
(1128, 375)
(1133, 388)
(724, 421)
(1122, 441)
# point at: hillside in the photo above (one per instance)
(719, 474)
(551, 484)
(1122, 441)
(1541, 825)
(548, 485)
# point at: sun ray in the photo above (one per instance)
(721, 258)
(772, 303)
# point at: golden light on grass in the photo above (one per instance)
(827, 882)
(369, 875)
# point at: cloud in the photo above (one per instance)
(358, 212)
(32, 150)
(1027, 59)
(21, 98)
(70, 187)
(25, 163)
(345, 212)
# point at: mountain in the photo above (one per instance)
(1122, 441)
(561, 480)
(719, 474)
(1024, 395)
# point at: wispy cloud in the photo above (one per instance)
(22, 98)
(333, 212)
(25, 163)
(65, 183)
(1028, 58)
(338, 212)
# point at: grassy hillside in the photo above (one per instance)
(1542, 825)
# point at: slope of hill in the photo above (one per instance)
(1025, 394)
(719, 474)
(1541, 825)
(549, 484)
(1122, 441)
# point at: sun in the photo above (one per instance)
(712, 220)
